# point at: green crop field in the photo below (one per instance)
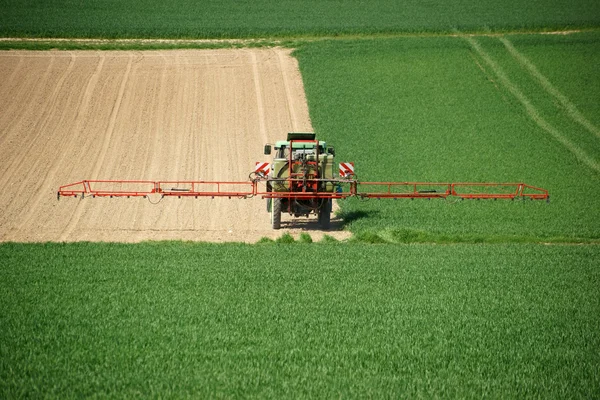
(465, 109)
(259, 18)
(207, 320)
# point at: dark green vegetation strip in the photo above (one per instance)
(201, 320)
(464, 109)
(267, 18)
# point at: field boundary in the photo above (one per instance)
(65, 43)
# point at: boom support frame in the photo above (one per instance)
(345, 188)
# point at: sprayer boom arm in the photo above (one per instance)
(346, 188)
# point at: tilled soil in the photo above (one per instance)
(152, 115)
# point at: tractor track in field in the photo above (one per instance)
(530, 109)
(75, 217)
(14, 112)
(571, 109)
(49, 174)
(155, 115)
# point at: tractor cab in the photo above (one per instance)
(302, 144)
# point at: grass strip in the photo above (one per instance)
(41, 44)
(419, 236)
(141, 44)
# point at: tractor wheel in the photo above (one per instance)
(325, 214)
(276, 213)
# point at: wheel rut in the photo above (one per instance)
(38, 131)
(105, 145)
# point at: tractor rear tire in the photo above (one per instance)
(276, 213)
(325, 214)
(269, 201)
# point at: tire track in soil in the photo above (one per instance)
(128, 149)
(16, 117)
(172, 158)
(18, 87)
(40, 125)
(180, 209)
(131, 145)
(193, 151)
(203, 149)
(11, 77)
(259, 99)
(217, 206)
(100, 160)
(288, 96)
(154, 126)
(113, 118)
(183, 148)
(49, 177)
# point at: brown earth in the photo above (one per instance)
(152, 115)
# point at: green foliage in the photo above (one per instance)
(305, 238)
(265, 18)
(410, 236)
(286, 238)
(265, 240)
(179, 319)
(328, 239)
(432, 109)
(369, 237)
(400, 235)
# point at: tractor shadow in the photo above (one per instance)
(349, 217)
(310, 224)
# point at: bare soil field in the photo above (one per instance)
(152, 115)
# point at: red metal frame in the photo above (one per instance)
(464, 190)
(390, 190)
(125, 188)
(297, 180)
(303, 187)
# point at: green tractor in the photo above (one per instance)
(300, 180)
